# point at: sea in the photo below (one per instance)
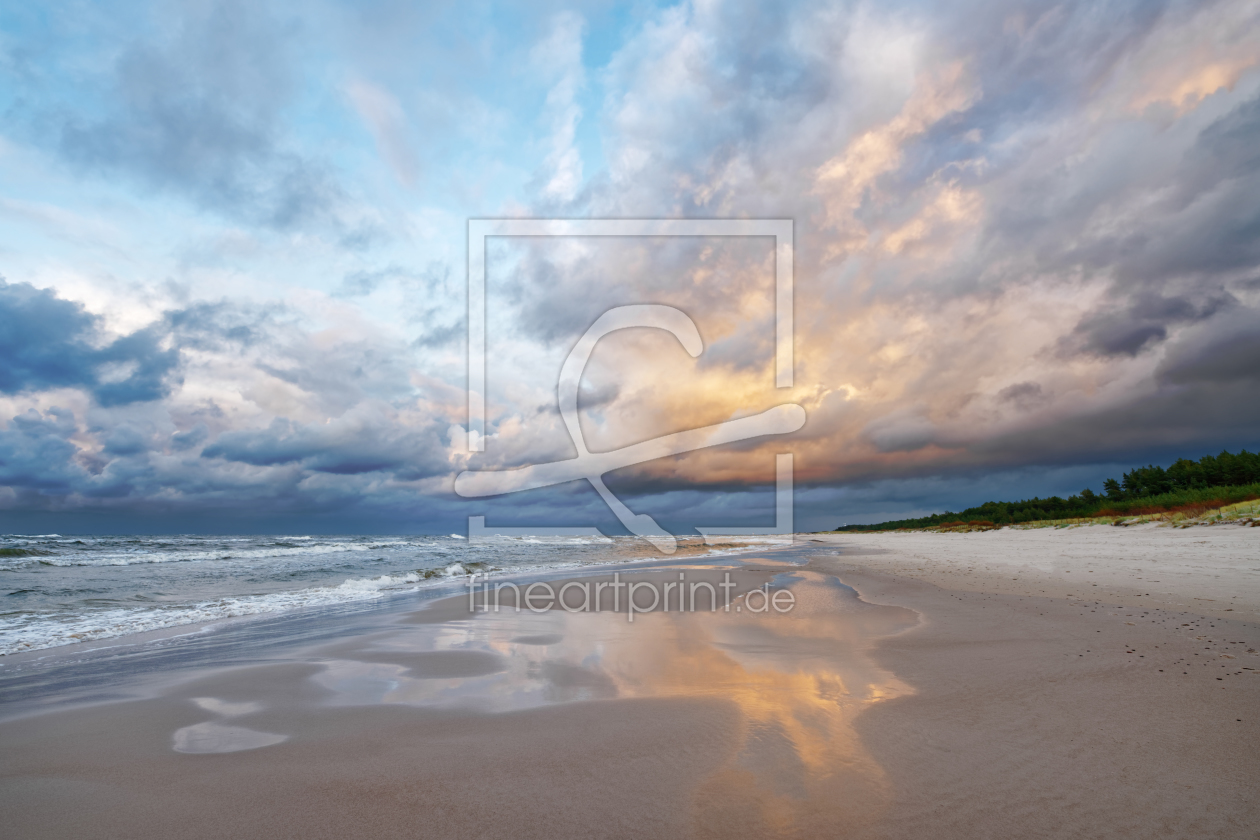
(60, 590)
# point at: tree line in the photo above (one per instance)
(1225, 478)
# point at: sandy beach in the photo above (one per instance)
(687, 420)
(1089, 682)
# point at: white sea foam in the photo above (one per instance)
(37, 631)
(139, 556)
(57, 601)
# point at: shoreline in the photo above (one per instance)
(271, 629)
(964, 698)
(567, 723)
(369, 591)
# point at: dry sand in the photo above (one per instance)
(972, 692)
(1211, 570)
(1045, 708)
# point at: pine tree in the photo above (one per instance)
(1112, 488)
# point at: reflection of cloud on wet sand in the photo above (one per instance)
(796, 680)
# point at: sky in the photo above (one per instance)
(233, 254)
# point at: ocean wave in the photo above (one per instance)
(51, 607)
(40, 631)
(9, 551)
(140, 556)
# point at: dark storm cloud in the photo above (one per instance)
(905, 430)
(191, 439)
(368, 441)
(146, 369)
(1195, 419)
(1023, 394)
(284, 443)
(1143, 321)
(1228, 351)
(35, 452)
(1084, 299)
(130, 452)
(47, 342)
(125, 440)
(43, 340)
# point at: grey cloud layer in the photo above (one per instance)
(1083, 284)
(719, 111)
(137, 446)
(47, 343)
(366, 440)
(202, 113)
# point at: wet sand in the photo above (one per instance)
(951, 707)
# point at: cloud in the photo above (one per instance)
(268, 413)
(201, 114)
(369, 438)
(1226, 350)
(43, 340)
(190, 439)
(388, 124)
(989, 242)
(1025, 235)
(902, 431)
(559, 58)
(1144, 320)
(1224, 150)
(36, 453)
(48, 343)
(1025, 396)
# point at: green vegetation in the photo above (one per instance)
(1187, 488)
